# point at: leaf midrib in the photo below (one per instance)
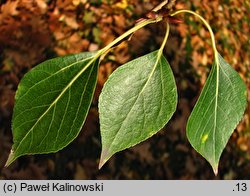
(216, 102)
(51, 75)
(150, 76)
(59, 96)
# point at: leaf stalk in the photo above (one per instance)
(206, 24)
(165, 38)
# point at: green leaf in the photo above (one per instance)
(136, 102)
(217, 112)
(52, 102)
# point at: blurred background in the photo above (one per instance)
(32, 31)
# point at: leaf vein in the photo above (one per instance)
(144, 86)
(58, 97)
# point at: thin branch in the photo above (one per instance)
(158, 7)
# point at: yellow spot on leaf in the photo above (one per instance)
(204, 138)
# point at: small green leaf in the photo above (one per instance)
(217, 112)
(52, 102)
(136, 102)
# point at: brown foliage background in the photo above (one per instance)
(32, 31)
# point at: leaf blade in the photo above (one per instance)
(44, 106)
(132, 99)
(217, 112)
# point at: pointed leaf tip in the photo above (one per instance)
(51, 104)
(137, 100)
(104, 158)
(10, 159)
(215, 169)
(217, 112)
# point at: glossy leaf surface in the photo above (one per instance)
(136, 102)
(217, 112)
(52, 102)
